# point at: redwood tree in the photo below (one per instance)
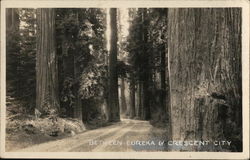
(114, 113)
(46, 65)
(205, 74)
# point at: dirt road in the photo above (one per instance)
(126, 136)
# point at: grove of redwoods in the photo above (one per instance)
(177, 67)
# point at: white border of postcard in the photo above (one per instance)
(244, 4)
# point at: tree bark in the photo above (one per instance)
(114, 113)
(205, 72)
(137, 100)
(146, 69)
(163, 80)
(132, 98)
(123, 98)
(47, 100)
(140, 100)
(78, 101)
(78, 107)
(12, 19)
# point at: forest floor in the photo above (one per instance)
(127, 135)
(24, 129)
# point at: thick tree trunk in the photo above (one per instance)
(46, 65)
(114, 113)
(205, 72)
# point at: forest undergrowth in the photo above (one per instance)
(24, 129)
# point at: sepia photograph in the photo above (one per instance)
(127, 79)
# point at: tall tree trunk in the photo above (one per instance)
(78, 102)
(114, 113)
(46, 65)
(132, 98)
(146, 70)
(123, 98)
(139, 100)
(163, 79)
(167, 92)
(78, 107)
(205, 72)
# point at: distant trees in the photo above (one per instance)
(69, 62)
(20, 55)
(158, 50)
(138, 53)
(205, 74)
(12, 50)
(82, 62)
(147, 49)
(27, 78)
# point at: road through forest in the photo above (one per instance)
(127, 136)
